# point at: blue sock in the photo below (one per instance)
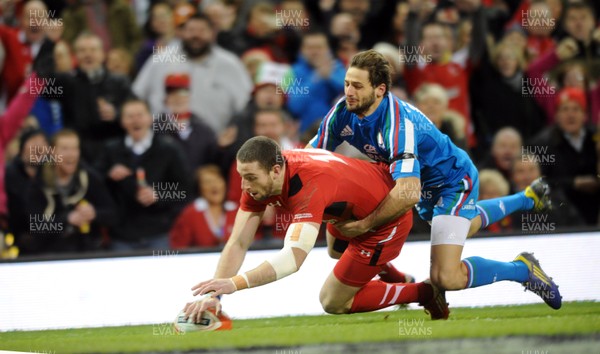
(486, 271)
(496, 209)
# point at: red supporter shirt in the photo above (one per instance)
(17, 62)
(451, 76)
(324, 186)
(537, 46)
(194, 228)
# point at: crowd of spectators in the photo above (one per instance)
(120, 119)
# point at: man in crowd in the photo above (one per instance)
(147, 176)
(218, 81)
(568, 154)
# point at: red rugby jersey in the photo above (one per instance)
(323, 186)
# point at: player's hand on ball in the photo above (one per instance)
(194, 309)
(202, 315)
(218, 286)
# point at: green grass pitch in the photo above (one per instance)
(574, 319)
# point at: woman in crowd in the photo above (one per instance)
(207, 222)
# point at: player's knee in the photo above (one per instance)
(333, 307)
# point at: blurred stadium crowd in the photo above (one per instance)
(121, 118)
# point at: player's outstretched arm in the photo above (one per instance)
(245, 226)
(405, 194)
(233, 254)
(299, 241)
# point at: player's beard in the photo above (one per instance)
(363, 107)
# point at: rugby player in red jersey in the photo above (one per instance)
(316, 186)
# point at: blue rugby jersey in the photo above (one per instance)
(402, 136)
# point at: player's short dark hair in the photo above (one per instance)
(380, 71)
(261, 149)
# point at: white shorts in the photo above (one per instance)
(449, 230)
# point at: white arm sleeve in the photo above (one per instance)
(298, 235)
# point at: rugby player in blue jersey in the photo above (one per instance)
(432, 174)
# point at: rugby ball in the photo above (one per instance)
(209, 321)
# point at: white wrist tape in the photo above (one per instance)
(298, 235)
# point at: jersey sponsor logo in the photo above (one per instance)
(372, 153)
(347, 131)
(303, 216)
(370, 149)
(365, 253)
